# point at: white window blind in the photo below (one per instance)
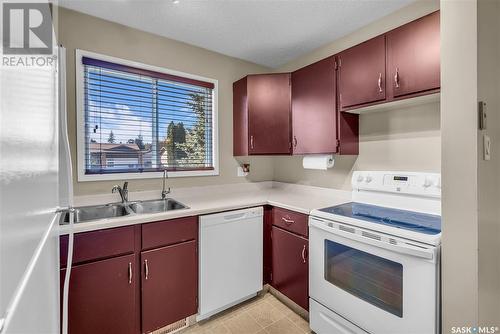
(139, 121)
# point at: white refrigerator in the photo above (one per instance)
(33, 152)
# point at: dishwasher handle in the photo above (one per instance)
(231, 216)
(236, 216)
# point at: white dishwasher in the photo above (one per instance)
(230, 259)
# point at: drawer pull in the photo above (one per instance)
(146, 269)
(130, 273)
(304, 254)
(287, 221)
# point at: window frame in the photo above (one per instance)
(80, 120)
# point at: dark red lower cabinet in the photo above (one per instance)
(267, 261)
(169, 284)
(102, 296)
(290, 266)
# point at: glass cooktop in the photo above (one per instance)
(404, 219)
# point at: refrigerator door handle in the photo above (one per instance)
(64, 122)
(61, 68)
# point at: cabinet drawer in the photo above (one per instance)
(95, 245)
(169, 232)
(291, 221)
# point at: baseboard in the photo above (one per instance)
(287, 301)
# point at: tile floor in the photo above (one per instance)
(261, 315)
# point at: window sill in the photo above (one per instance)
(149, 175)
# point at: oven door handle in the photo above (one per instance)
(417, 251)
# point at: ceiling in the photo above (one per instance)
(270, 33)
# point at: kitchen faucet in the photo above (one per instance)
(164, 192)
(123, 191)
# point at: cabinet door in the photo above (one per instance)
(413, 54)
(361, 74)
(269, 102)
(240, 117)
(102, 296)
(314, 121)
(290, 266)
(169, 285)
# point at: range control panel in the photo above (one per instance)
(425, 184)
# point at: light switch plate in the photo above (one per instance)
(483, 116)
(486, 147)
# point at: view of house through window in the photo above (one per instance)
(142, 121)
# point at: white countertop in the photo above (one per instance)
(211, 199)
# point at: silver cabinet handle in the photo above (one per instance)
(380, 82)
(251, 142)
(304, 254)
(287, 221)
(396, 78)
(130, 273)
(146, 269)
(294, 141)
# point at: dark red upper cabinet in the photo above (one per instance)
(290, 266)
(314, 119)
(169, 285)
(413, 57)
(102, 296)
(361, 74)
(240, 117)
(261, 114)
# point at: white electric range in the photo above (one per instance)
(374, 262)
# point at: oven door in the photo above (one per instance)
(380, 283)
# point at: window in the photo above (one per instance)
(136, 120)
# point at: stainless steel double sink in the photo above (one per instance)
(96, 212)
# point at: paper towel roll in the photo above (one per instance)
(320, 161)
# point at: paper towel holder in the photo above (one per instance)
(318, 161)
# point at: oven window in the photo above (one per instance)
(376, 280)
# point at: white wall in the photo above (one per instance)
(489, 171)
(459, 163)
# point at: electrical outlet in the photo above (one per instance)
(486, 147)
(241, 172)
